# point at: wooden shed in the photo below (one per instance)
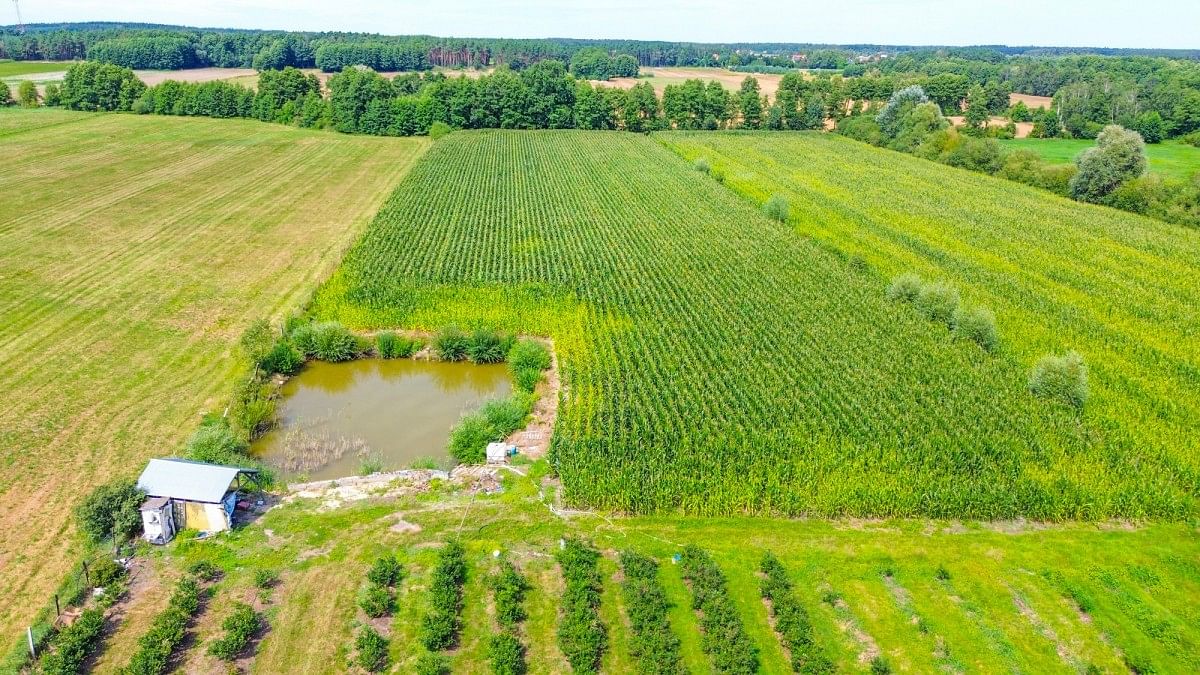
(182, 493)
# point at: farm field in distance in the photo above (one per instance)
(133, 252)
(718, 362)
(1169, 158)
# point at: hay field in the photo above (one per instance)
(133, 251)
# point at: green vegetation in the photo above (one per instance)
(74, 643)
(128, 280)
(1000, 244)
(1174, 159)
(240, 626)
(10, 69)
(1061, 377)
(372, 650)
(651, 641)
(774, 346)
(166, 631)
(725, 639)
(791, 619)
(505, 650)
(111, 511)
(582, 635)
(441, 626)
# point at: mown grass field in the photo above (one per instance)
(133, 252)
(14, 68)
(1169, 158)
(717, 362)
(1013, 597)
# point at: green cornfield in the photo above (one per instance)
(714, 361)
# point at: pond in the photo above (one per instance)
(333, 416)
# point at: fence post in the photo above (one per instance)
(29, 634)
(57, 609)
(87, 579)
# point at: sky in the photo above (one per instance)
(1070, 23)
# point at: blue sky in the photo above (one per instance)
(1095, 23)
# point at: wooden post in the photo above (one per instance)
(86, 578)
(57, 609)
(32, 649)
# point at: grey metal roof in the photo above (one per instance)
(188, 480)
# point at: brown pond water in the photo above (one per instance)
(333, 415)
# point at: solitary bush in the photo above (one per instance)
(376, 600)
(105, 571)
(205, 570)
(880, 666)
(265, 578)
(386, 571)
(372, 650)
(328, 341)
(526, 361)
(977, 324)
(27, 94)
(506, 654)
(450, 344)
(215, 442)
(938, 301)
(283, 358)
(111, 511)
(256, 341)
(432, 664)
(469, 438)
(485, 346)
(1064, 378)
(1119, 155)
(439, 129)
(702, 165)
(777, 208)
(905, 287)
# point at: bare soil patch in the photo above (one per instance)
(153, 77)
(1031, 101)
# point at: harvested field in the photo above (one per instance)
(661, 77)
(133, 252)
(1031, 101)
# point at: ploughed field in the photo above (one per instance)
(715, 361)
(133, 252)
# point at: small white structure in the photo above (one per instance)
(182, 493)
(497, 453)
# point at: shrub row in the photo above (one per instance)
(74, 643)
(505, 651)
(393, 346)
(791, 619)
(441, 626)
(581, 634)
(378, 597)
(939, 301)
(652, 642)
(239, 627)
(167, 632)
(724, 637)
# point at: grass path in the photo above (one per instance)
(133, 251)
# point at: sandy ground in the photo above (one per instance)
(1033, 102)
(661, 77)
(1023, 128)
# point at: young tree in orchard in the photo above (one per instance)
(1119, 155)
(750, 103)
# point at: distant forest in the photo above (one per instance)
(161, 47)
